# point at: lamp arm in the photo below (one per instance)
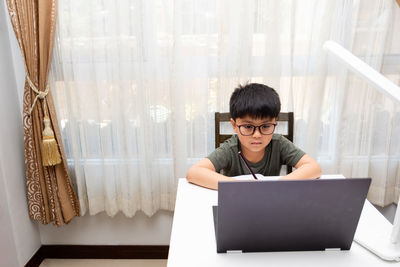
(379, 82)
(373, 77)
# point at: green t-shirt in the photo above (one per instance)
(280, 151)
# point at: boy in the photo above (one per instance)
(254, 109)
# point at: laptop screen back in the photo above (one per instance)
(259, 216)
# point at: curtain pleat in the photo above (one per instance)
(51, 197)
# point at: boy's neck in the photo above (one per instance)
(253, 157)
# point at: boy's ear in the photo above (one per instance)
(233, 124)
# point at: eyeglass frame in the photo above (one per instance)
(256, 127)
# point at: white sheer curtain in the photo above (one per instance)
(137, 83)
(368, 123)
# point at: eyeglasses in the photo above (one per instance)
(264, 129)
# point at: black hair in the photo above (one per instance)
(254, 100)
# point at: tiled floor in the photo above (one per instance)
(102, 263)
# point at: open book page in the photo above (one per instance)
(332, 176)
(259, 176)
(272, 178)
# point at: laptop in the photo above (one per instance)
(296, 215)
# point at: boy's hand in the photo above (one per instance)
(203, 173)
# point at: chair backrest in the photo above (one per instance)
(226, 116)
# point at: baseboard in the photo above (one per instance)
(36, 259)
(97, 252)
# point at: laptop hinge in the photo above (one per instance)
(233, 251)
(332, 249)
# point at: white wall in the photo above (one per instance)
(104, 230)
(19, 236)
(17, 61)
(8, 250)
(93, 230)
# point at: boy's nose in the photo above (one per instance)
(257, 133)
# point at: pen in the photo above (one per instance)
(247, 164)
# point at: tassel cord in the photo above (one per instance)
(39, 95)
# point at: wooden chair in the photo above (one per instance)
(225, 117)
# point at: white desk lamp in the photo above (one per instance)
(373, 233)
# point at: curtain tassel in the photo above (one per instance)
(50, 154)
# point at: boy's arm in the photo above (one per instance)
(306, 168)
(203, 173)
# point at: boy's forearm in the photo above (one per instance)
(306, 171)
(205, 177)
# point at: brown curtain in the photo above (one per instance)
(51, 197)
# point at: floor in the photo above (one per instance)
(102, 263)
(389, 211)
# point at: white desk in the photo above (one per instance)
(193, 240)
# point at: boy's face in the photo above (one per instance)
(256, 142)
